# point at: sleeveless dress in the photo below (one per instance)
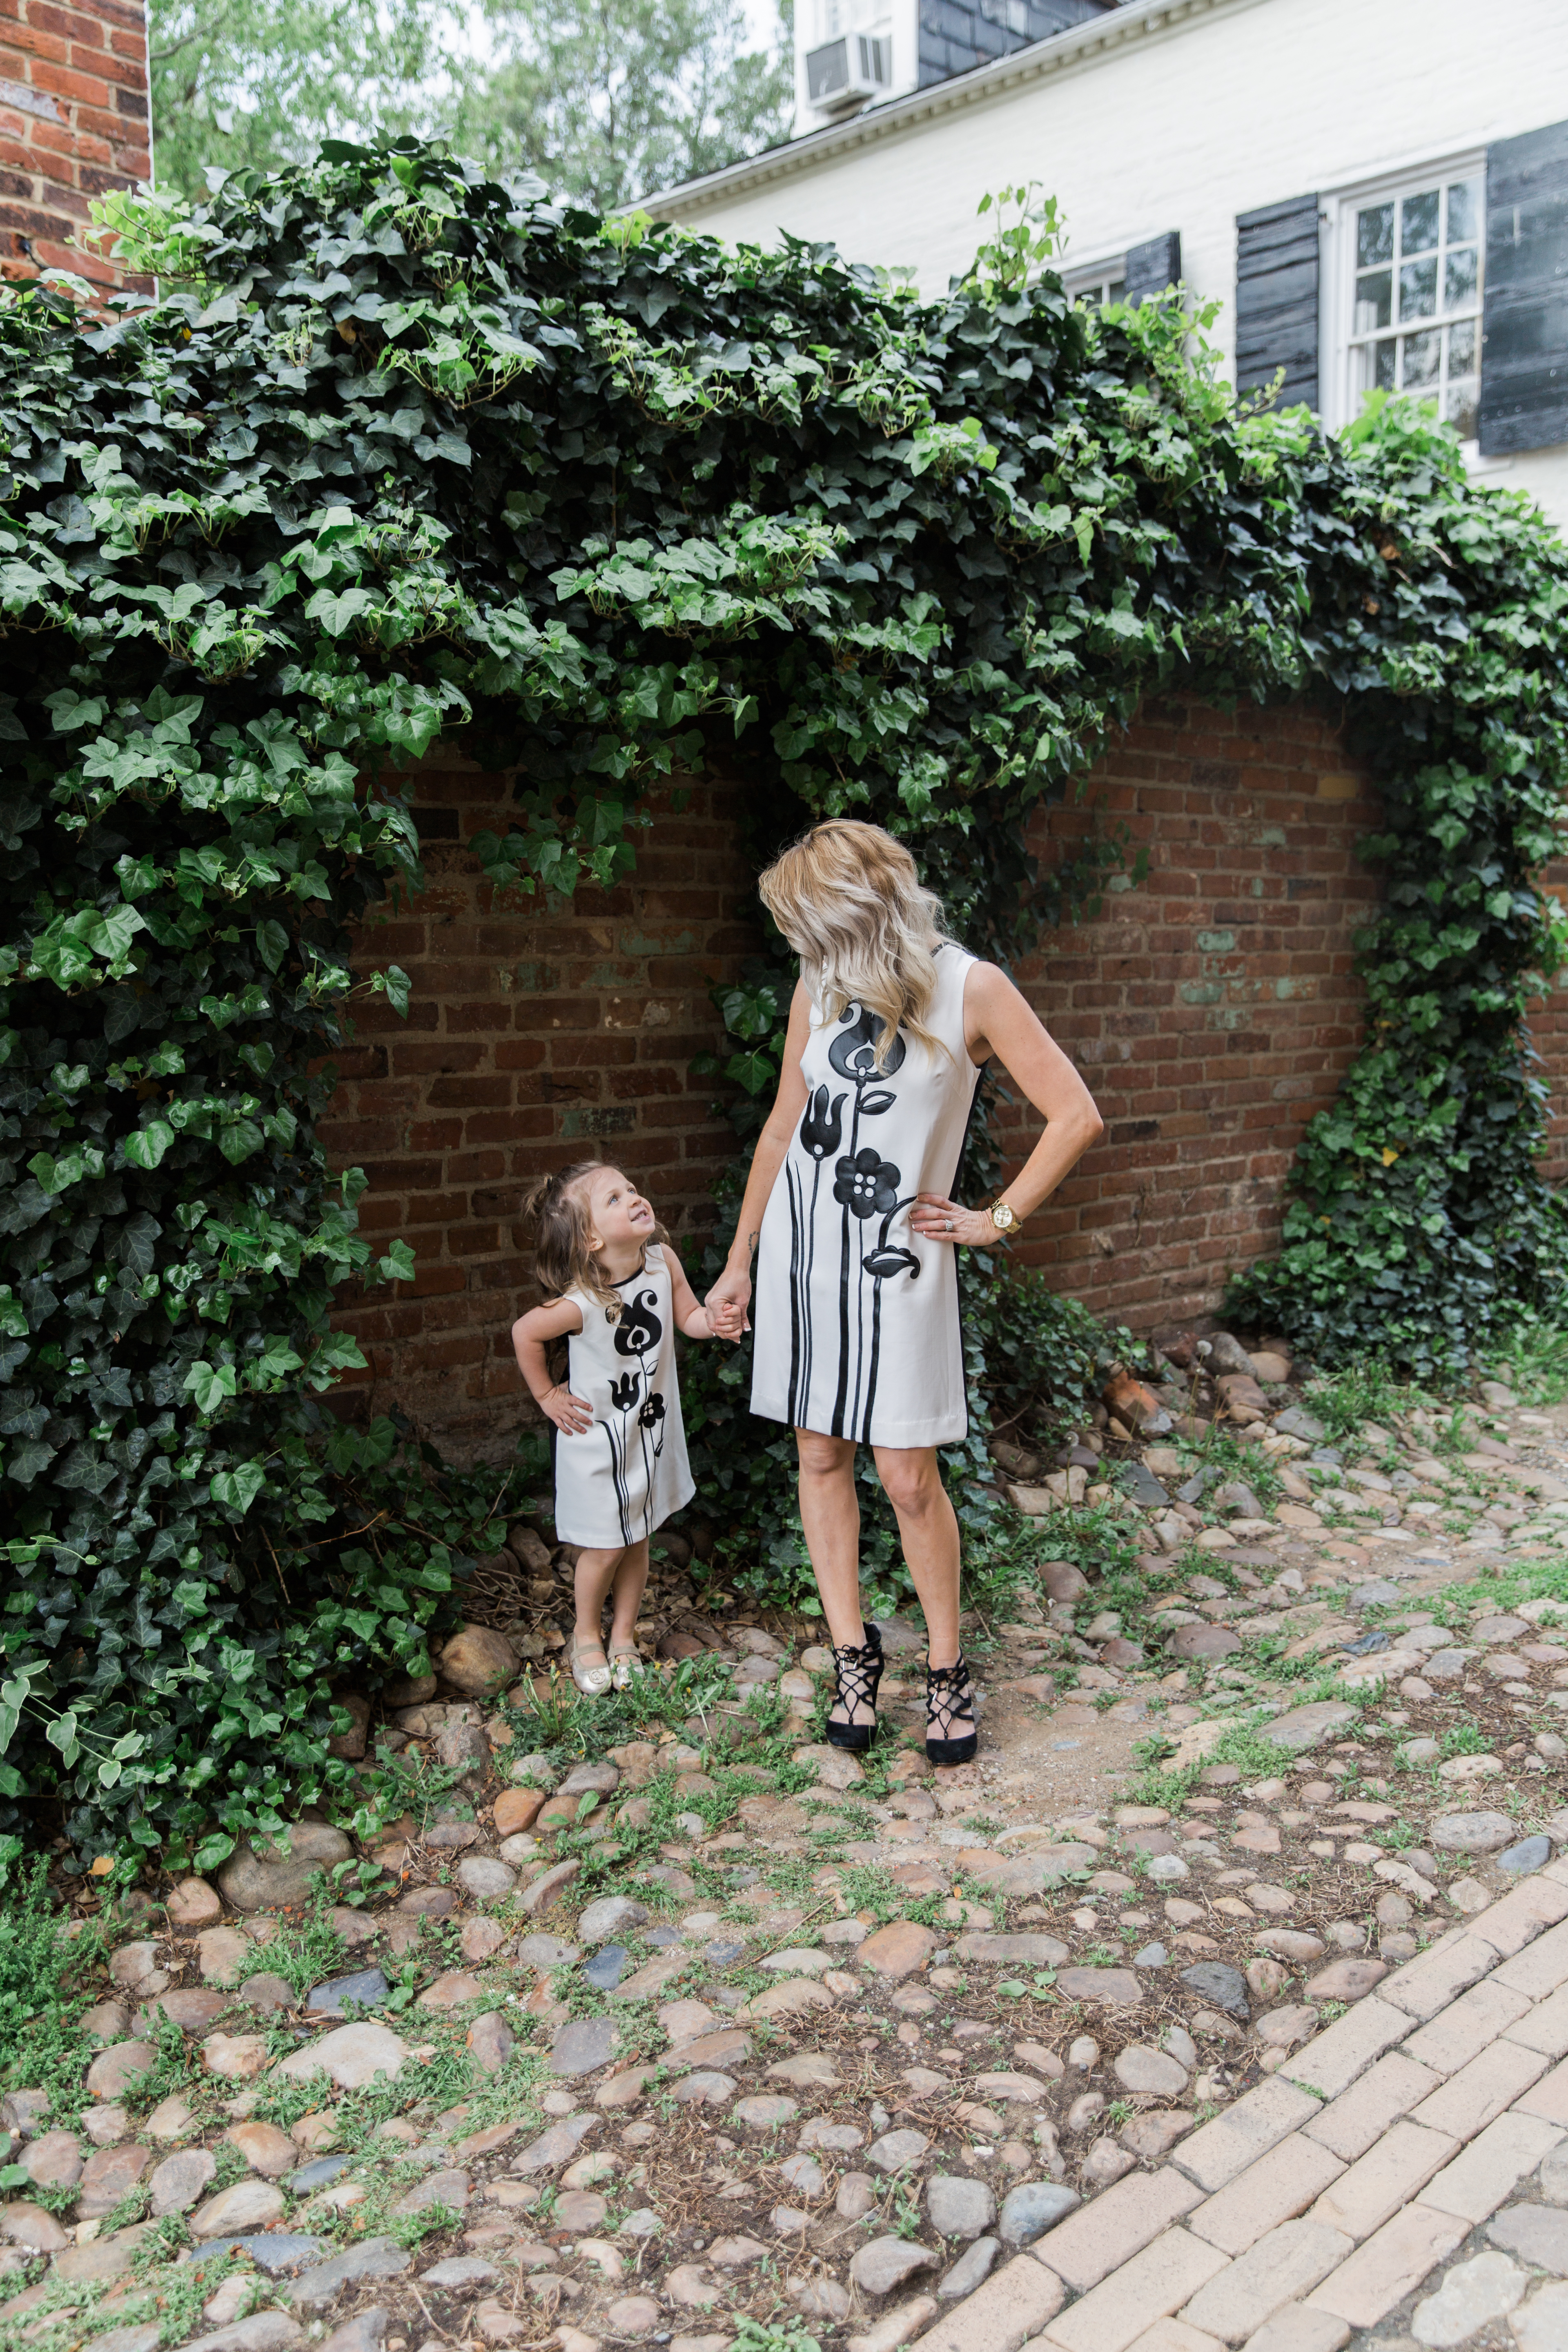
(856, 1316)
(621, 1480)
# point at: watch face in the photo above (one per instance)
(1002, 1217)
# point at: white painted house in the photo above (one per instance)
(1376, 190)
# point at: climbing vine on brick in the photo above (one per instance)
(401, 451)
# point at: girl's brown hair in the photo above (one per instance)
(563, 1258)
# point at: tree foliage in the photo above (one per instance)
(408, 450)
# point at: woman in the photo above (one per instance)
(846, 1207)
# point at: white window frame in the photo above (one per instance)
(1338, 404)
(1088, 280)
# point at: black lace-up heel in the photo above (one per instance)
(949, 1707)
(858, 1673)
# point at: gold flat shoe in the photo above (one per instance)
(592, 1680)
(627, 1667)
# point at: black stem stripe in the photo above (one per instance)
(794, 1258)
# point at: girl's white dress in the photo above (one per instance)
(856, 1316)
(622, 1479)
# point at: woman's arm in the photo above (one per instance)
(697, 1322)
(734, 1289)
(530, 1335)
(998, 1020)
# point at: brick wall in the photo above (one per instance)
(1547, 1027)
(534, 1037)
(1213, 1011)
(74, 123)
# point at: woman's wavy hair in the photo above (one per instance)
(563, 1257)
(848, 899)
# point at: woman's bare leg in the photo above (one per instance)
(830, 1514)
(928, 1528)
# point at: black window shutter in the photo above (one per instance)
(1154, 266)
(1277, 299)
(1524, 347)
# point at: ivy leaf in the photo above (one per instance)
(147, 1147)
(237, 1488)
(210, 1385)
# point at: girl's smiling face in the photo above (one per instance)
(621, 1219)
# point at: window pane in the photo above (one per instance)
(1459, 280)
(1418, 289)
(1117, 290)
(1418, 222)
(1422, 355)
(1384, 366)
(1463, 208)
(1462, 349)
(1460, 408)
(1375, 235)
(1373, 301)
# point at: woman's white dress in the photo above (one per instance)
(622, 1479)
(856, 1316)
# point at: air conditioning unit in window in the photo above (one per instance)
(844, 72)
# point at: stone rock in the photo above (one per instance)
(897, 1951)
(248, 2205)
(541, 1892)
(1032, 2208)
(180, 2179)
(260, 1876)
(884, 2265)
(1119, 1987)
(1346, 1980)
(1107, 2161)
(27, 2225)
(485, 1880)
(970, 2270)
(1293, 1944)
(583, 2046)
(821, 2298)
(1151, 2135)
(367, 1988)
(108, 2176)
(236, 2057)
(264, 2331)
(193, 1903)
(268, 1993)
(492, 2041)
(1472, 1832)
(221, 1953)
(1139, 2068)
(1529, 1853)
(461, 1747)
(53, 2160)
(1537, 2233)
(119, 2066)
(353, 2055)
(192, 2009)
(1218, 1981)
(1473, 2294)
(365, 2332)
(517, 1810)
(372, 2258)
(1205, 1640)
(1541, 2324)
(1305, 1726)
(765, 2113)
(632, 2314)
(272, 2152)
(555, 2146)
(1283, 2029)
(1023, 1951)
(479, 1939)
(477, 1661)
(897, 2151)
(350, 1744)
(610, 1917)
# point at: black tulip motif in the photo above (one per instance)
(868, 1185)
(625, 1393)
(640, 1328)
(852, 1053)
(822, 1128)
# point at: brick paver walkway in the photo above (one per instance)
(1351, 2176)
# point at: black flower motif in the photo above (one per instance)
(652, 1413)
(868, 1185)
(885, 1261)
(625, 1393)
(640, 1328)
(853, 1052)
(822, 1128)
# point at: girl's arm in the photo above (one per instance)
(730, 1295)
(998, 1020)
(530, 1335)
(698, 1322)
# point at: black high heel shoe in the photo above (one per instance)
(949, 1707)
(857, 1675)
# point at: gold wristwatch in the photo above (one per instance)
(1003, 1217)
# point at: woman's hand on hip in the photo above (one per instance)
(727, 1303)
(937, 1219)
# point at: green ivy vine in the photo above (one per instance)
(404, 450)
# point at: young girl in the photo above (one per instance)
(616, 1292)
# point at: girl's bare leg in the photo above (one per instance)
(630, 1582)
(592, 1579)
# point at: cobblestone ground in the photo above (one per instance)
(664, 2022)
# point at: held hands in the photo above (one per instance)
(727, 1303)
(937, 1219)
(571, 1415)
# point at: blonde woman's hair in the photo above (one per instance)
(563, 1256)
(848, 899)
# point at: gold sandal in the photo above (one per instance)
(592, 1680)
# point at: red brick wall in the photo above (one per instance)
(1548, 1025)
(535, 1036)
(74, 123)
(1212, 1011)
